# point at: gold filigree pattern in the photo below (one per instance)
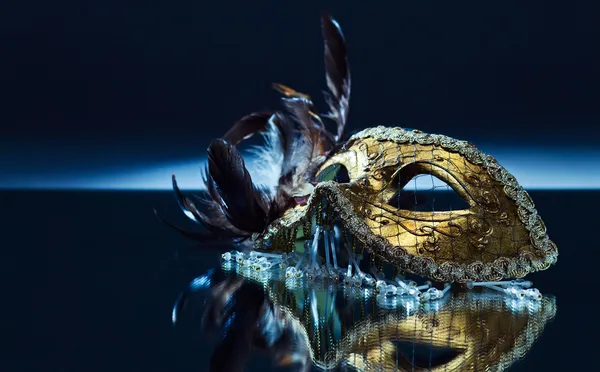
(498, 236)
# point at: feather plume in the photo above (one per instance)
(215, 211)
(296, 143)
(287, 139)
(246, 127)
(308, 151)
(299, 109)
(269, 157)
(337, 71)
(192, 212)
(289, 92)
(198, 236)
(241, 201)
(317, 122)
(219, 230)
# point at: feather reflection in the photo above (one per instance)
(332, 327)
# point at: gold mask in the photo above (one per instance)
(500, 235)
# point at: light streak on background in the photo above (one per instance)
(535, 169)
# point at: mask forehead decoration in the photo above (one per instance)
(338, 209)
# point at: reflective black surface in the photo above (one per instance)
(89, 280)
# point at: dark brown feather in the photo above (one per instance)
(190, 210)
(242, 203)
(299, 108)
(216, 217)
(212, 190)
(337, 73)
(289, 92)
(212, 237)
(286, 136)
(213, 223)
(236, 208)
(313, 143)
(246, 127)
(316, 119)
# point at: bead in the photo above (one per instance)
(533, 294)
(370, 281)
(432, 294)
(391, 290)
(515, 292)
(290, 271)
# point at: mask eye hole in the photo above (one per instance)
(425, 193)
(335, 172)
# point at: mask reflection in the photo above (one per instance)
(344, 328)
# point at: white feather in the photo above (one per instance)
(265, 167)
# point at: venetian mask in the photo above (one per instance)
(496, 234)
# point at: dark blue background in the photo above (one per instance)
(165, 77)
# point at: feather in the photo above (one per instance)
(299, 109)
(192, 212)
(218, 231)
(246, 127)
(241, 201)
(216, 217)
(269, 157)
(337, 71)
(308, 152)
(316, 119)
(296, 144)
(188, 234)
(313, 168)
(287, 136)
(289, 92)
(275, 159)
